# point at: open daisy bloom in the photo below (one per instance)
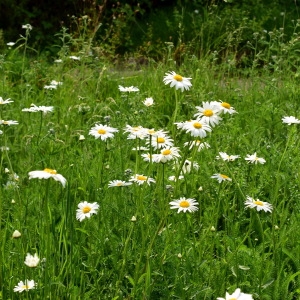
(224, 156)
(48, 173)
(290, 120)
(141, 179)
(184, 204)
(118, 183)
(237, 295)
(197, 128)
(2, 101)
(221, 177)
(128, 89)
(254, 159)
(28, 285)
(86, 210)
(209, 113)
(102, 131)
(259, 205)
(177, 80)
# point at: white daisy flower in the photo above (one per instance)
(148, 101)
(225, 107)
(50, 87)
(141, 179)
(254, 159)
(32, 260)
(209, 113)
(224, 156)
(197, 144)
(169, 153)
(184, 204)
(221, 177)
(28, 285)
(2, 101)
(48, 173)
(197, 128)
(135, 132)
(10, 44)
(118, 183)
(259, 205)
(86, 210)
(140, 148)
(102, 131)
(128, 89)
(237, 295)
(177, 80)
(43, 109)
(290, 120)
(58, 61)
(160, 140)
(9, 122)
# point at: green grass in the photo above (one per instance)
(162, 254)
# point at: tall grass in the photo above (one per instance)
(136, 247)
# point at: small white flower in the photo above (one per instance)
(48, 173)
(128, 89)
(135, 132)
(81, 137)
(221, 177)
(254, 159)
(9, 122)
(259, 205)
(177, 80)
(118, 183)
(290, 120)
(148, 101)
(169, 153)
(102, 131)
(86, 210)
(10, 44)
(209, 113)
(160, 140)
(224, 156)
(32, 260)
(225, 107)
(174, 178)
(2, 101)
(141, 179)
(58, 61)
(188, 166)
(237, 295)
(28, 285)
(184, 204)
(197, 128)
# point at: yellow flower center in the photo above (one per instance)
(86, 209)
(101, 131)
(226, 105)
(5, 122)
(232, 298)
(160, 140)
(178, 77)
(184, 204)
(25, 287)
(208, 113)
(258, 202)
(141, 177)
(119, 184)
(224, 176)
(166, 152)
(197, 125)
(50, 171)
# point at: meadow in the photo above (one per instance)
(141, 183)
